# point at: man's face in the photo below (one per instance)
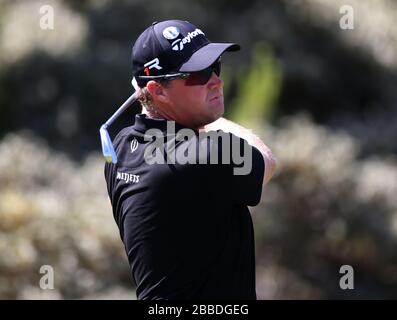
(196, 105)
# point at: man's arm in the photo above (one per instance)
(246, 134)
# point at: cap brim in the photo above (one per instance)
(206, 56)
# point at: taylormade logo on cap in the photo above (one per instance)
(178, 45)
(171, 33)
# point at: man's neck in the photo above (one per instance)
(152, 114)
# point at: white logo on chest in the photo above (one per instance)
(134, 145)
(127, 177)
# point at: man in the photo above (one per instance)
(183, 217)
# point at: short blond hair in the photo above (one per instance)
(146, 99)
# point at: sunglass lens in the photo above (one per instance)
(217, 67)
(203, 76)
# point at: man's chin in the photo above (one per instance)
(218, 109)
(212, 119)
(216, 115)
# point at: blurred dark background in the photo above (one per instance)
(322, 97)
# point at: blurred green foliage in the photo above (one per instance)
(258, 87)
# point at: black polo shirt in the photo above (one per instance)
(185, 225)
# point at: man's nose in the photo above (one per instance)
(215, 81)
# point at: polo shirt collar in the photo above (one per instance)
(144, 123)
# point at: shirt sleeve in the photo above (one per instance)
(236, 169)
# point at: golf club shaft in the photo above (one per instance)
(120, 110)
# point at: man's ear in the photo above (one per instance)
(157, 91)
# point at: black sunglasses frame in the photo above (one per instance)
(192, 78)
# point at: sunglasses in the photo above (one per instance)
(197, 78)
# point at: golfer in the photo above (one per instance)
(185, 176)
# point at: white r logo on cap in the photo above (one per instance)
(155, 63)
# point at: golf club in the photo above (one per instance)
(107, 145)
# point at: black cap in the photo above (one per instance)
(174, 46)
